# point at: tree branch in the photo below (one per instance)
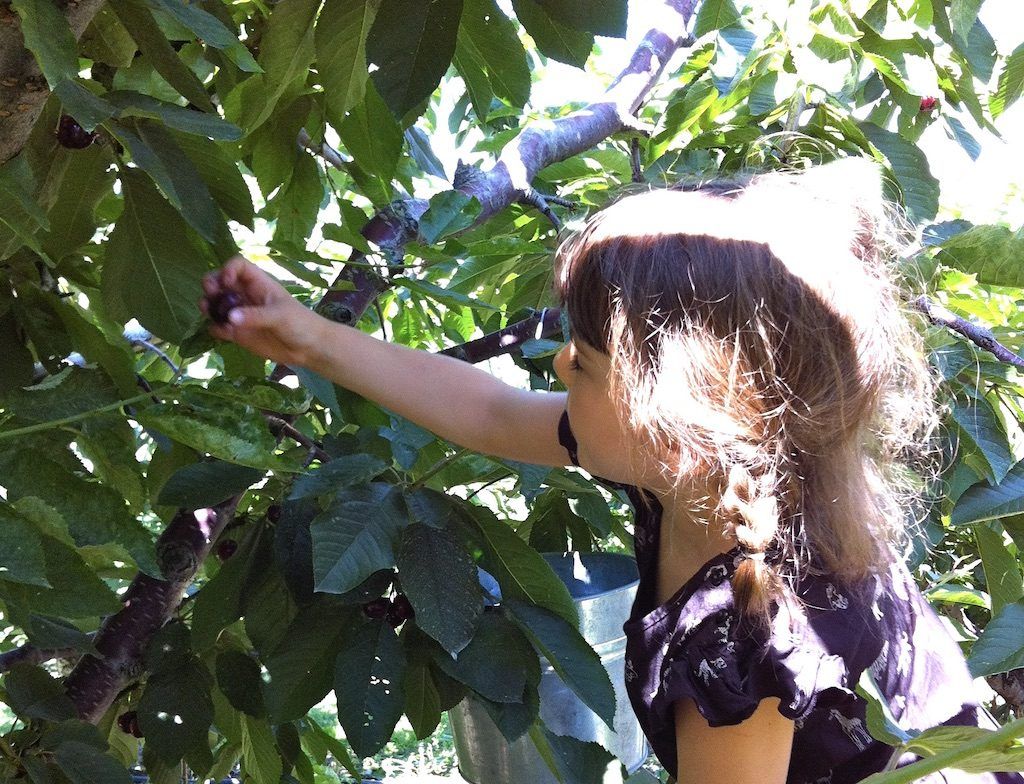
(30, 654)
(980, 336)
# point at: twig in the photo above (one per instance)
(439, 466)
(324, 150)
(535, 198)
(159, 352)
(279, 426)
(634, 158)
(980, 336)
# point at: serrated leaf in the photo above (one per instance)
(440, 579)
(1010, 84)
(520, 570)
(974, 750)
(600, 17)
(571, 656)
(1002, 572)
(134, 104)
(553, 38)
(988, 502)
(343, 471)
(150, 273)
(499, 662)
(88, 109)
(422, 701)
(207, 484)
(489, 38)
(48, 36)
(238, 677)
(340, 40)
(714, 15)
(353, 537)
(919, 188)
(1000, 647)
(261, 762)
(992, 253)
(412, 46)
(449, 212)
(960, 134)
(235, 436)
(369, 683)
(21, 550)
(301, 666)
(33, 694)
(211, 30)
(373, 136)
(85, 764)
(981, 430)
(136, 16)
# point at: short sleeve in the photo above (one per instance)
(810, 661)
(567, 439)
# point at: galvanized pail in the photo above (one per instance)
(603, 586)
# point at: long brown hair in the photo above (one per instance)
(757, 338)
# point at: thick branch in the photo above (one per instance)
(546, 324)
(23, 90)
(980, 336)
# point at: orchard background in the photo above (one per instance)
(197, 548)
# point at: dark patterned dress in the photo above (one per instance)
(696, 645)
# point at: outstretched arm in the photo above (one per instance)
(451, 398)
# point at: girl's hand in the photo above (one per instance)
(268, 321)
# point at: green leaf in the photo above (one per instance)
(992, 253)
(981, 430)
(261, 762)
(353, 538)
(554, 39)
(1010, 84)
(919, 188)
(72, 217)
(571, 656)
(970, 749)
(1000, 647)
(21, 550)
(520, 570)
(369, 683)
(340, 40)
(107, 41)
(211, 30)
(960, 134)
(301, 666)
(319, 743)
(489, 37)
(714, 15)
(987, 502)
(85, 764)
(449, 212)
(88, 109)
(1002, 572)
(33, 694)
(217, 165)
(449, 298)
(343, 471)
(70, 392)
(207, 484)
(153, 269)
(134, 104)
(600, 17)
(499, 661)
(373, 136)
(440, 579)
(422, 700)
(136, 16)
(412, 46)
(48, 36)
(238, 677)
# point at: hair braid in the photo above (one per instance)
(752, 511)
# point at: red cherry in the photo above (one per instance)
(72, 135)
(128, 723)
(928, 103)
(222, 304)
(377, 608)
(401, 610)
(226, 548)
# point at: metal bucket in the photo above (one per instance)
(602, 586)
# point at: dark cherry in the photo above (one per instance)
(226, 548)
(72, 135)
(928, 103)
(222, 304)
(377, 608)
(128, 723)
(401, 610)
(274, 512)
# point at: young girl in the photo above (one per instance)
(739, 362)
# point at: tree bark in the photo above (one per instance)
(23, 90)
(95, 683)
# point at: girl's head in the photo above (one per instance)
(757, 346)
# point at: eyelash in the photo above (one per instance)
(573, 364)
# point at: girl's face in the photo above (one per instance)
(604, 448)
